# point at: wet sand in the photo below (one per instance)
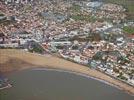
(11, 60)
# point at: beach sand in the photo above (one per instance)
(12, 60)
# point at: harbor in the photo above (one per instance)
(4, 83)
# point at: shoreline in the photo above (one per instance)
(37, 61)
(84, 75)
(75, 73)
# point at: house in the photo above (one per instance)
(109, 71)
(22, 34)
(131, 36)
(77, 58)
(131, 80)
(120, 41)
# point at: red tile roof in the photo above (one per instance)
(131, 36)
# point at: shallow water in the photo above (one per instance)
(55, 85)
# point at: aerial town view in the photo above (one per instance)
(66, 49)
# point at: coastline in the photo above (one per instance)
(76, 73)
(10, 58)
(84, 75)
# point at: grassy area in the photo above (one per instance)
(36, 48)
(77, 14)
(128, 4)
(129, 30)
(75, 8)
(83, 18)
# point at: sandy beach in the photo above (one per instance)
(12, 60)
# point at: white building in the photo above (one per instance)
(17, 1)
(77, 58)
(95, 4)
(12, 45)
(61, 43)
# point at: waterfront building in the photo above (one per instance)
(94, 4)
